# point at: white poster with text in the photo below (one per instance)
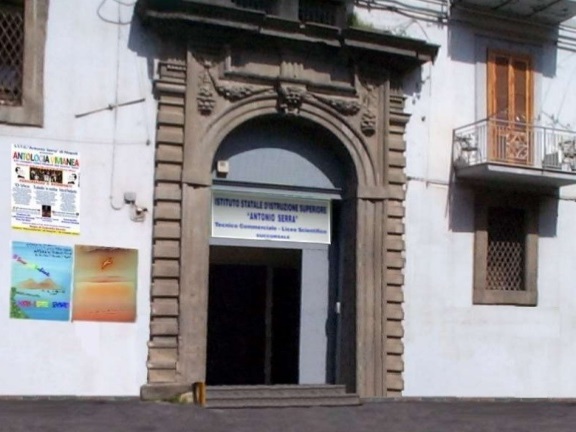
(45, 190)
(266, 217)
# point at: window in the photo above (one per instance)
(319, 11)
(22, 40)
(327, 12)
(510, 107)
(506, 250)
(11, 53)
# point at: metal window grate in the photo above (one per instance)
(11, 53)
(506, 249)
(261, 5)
(318, 11)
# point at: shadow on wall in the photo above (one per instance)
(461, 209)
(145, 43)
(548, 216)
(413, 83)
(468, 43)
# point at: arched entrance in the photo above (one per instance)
(346, 144)
(363, 304)
(275, 276)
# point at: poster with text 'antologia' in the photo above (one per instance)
(105, 281)
(45, 190)
(41, 278)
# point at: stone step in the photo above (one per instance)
(261, 396)
(282, 401)
(282, 390)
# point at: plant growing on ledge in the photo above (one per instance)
(355, 21)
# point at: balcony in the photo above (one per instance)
(543, 11)
(508, 153)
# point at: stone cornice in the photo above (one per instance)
(405, 53)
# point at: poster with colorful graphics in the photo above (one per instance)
(105, 281)
(41, 278)
(45, 190)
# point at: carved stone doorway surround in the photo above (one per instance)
(202, 98)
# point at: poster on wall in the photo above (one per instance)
(105, 281)
(45, 190)
(267, 217)
(41, 278)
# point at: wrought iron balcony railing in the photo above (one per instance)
(514, 143)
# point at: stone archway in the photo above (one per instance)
(198, 107)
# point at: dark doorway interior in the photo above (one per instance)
(253, 316)
(236, 331)
(285, 326)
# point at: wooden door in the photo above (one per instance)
(510, 101)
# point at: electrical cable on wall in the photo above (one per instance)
(144, 90)
(448, 184)
(437, 13)
(119, 21)
(110, 107)
(75, 140)
(115, 117)
(116, 103)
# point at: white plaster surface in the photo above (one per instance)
(454, 348)
(89, 64)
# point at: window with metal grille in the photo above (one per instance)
(11, 53)
(506, 249)
(23, 25)
(318, 11)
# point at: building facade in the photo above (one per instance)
(499, 197)
(266, 193)
(66, 69)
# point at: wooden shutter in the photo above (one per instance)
(509, 87)
(521, 90)
(510, 108)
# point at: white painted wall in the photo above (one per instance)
(89, 64)
(454, 348)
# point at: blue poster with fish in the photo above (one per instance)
(41, 281)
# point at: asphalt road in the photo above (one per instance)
(388, 416)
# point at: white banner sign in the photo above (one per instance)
(265, 217)
(45, 190)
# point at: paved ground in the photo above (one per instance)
(390, 416)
